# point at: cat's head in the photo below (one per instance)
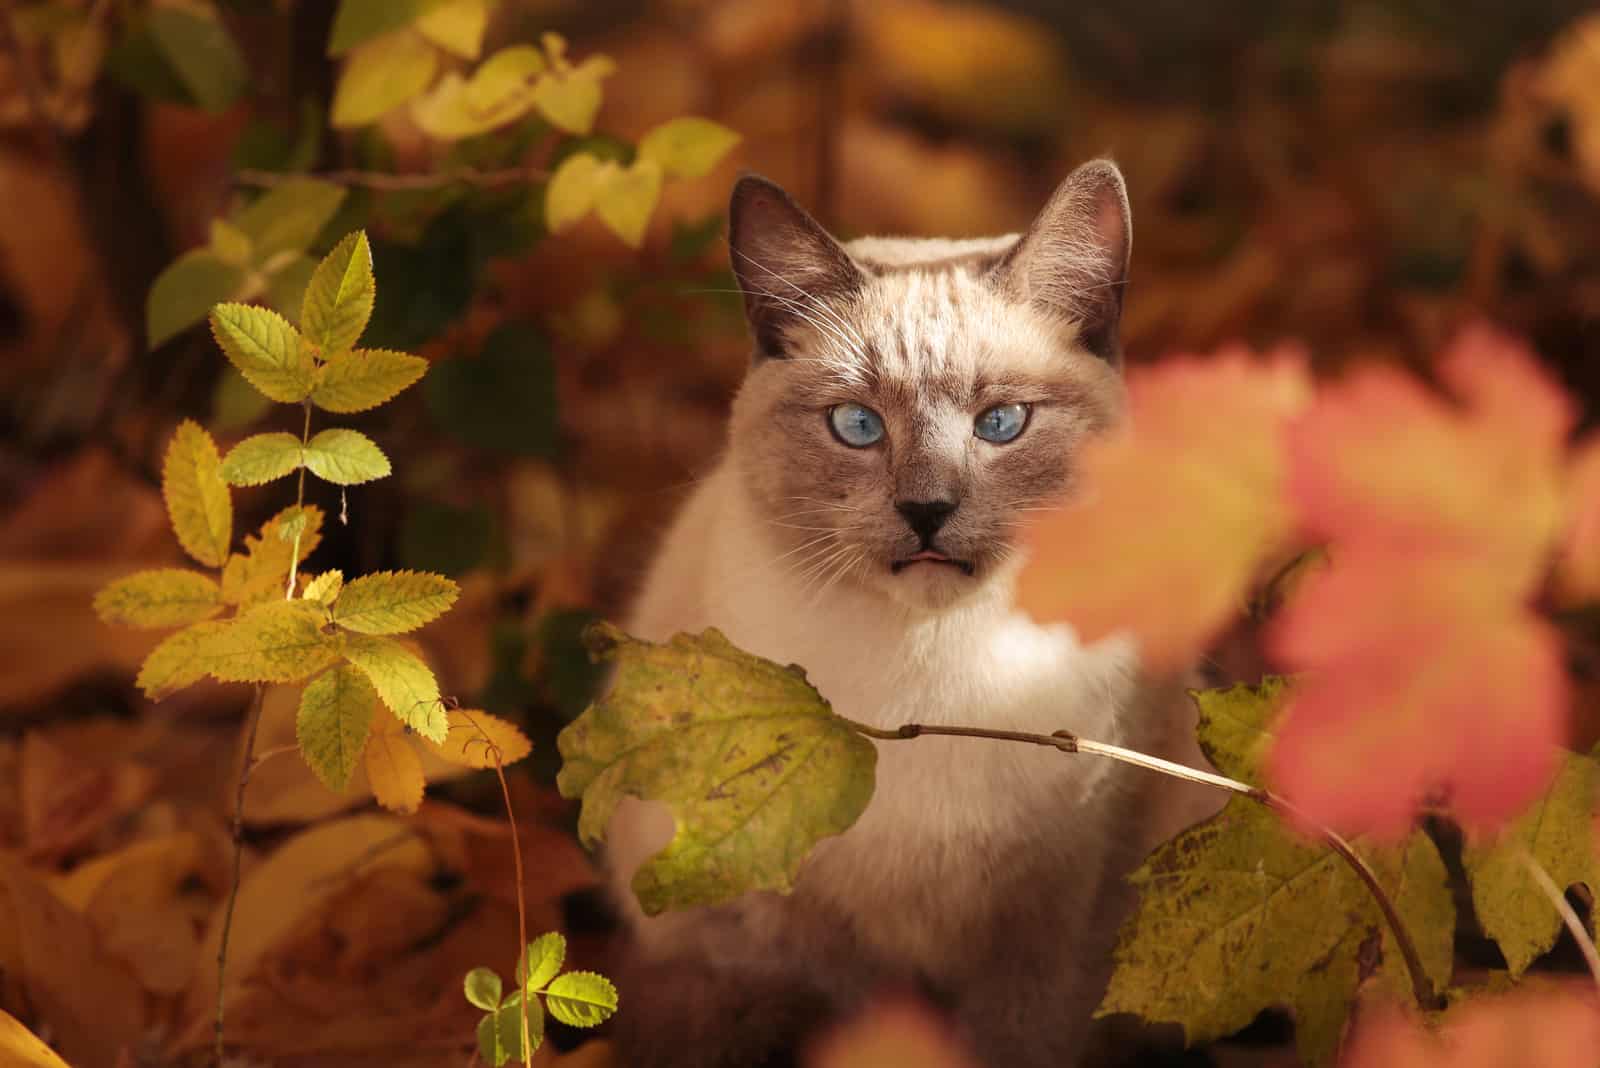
(911, 400)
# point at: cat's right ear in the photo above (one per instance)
(786, 263)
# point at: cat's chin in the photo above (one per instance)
(930, 585)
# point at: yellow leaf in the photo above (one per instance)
(197, 498)
(402, 680)
(334, 719)
(457, 27)
(451, 110)
(282, 641)
(177, 662)
(21, 1048)
(570, 99)
(382, 74)
(625, 199)
(393, 769)
(505, 74)
(261, 572)
(166, 597)
(266, 349)
(393, 602)
(570, 193)
(324, 588)
(475, 735)
(365, 379)
(688, 147)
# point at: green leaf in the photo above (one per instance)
(482, 987)
(288, 217)
(177, 662)
(380, 75)
(393, 602)
(362, 20)
(265, 349)
(754, 764)
(581, 999)
(198, 501)
(365, 379)
(334, 718)
(548, 952)
(261, 458)
(339, 297)
(403, 682)
(457, 27)
(202, 53)
(570, 99)
(183, 293)
(688, 147)
(504, 400)
(1558, 832)
(570, 194)
(166, 597)
(281, 641)
(625, 198)
(500, 1033)
(345, 457)
(1239, 914)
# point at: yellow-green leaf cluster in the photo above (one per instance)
(579, 999)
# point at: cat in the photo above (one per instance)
(909, 401)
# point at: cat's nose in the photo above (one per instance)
(925, 517)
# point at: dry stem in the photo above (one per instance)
(238, 859)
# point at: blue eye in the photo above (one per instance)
(855, 425)
(1002, 423)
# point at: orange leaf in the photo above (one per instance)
(472, 733)
(1179, 510)
(1554, 1027)
(393, 768)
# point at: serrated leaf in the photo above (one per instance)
(688, 147)
(166, 597)
(581, 999)
(457, 27)
(362, 20)
(184, 292)
(365, 379)
(339, 297)
(177, 662)
(345, 457)
(261, 458)
(201, 53)
(393, 602)
(265, 349)
(324, 588)
(288, 217)
(548, 952)
(403, 681)
(1558, 832)
(393, 769)
(570, 99)
(278, 642)
(333, 722)
(198, 501)
(570, 194)
(749, 756)
(380, 75)
(260, 573)
(625, 198)
(482, 987)
(476, 736)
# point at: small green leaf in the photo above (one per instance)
(288, 217)
(393, 602)
(688, 147)
(570, 194)
(345, 457)
(403, 682)
(570, 99)
(324, 588)
(281, 641)
(265, 349)
(548, 952)
(198, 501)
(482, 987)
(202, 53)
(625, 198)
(507, 1029)
(362, 20)
(186, 290)
(331, 728)
(339, 297)
(754, 764)
(457, 27)
(365, 379)
(380, 75)
(261, 458)
(166, 597)
(581, 999)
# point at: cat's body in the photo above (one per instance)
(985, 875)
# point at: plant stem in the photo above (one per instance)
(238, 859)
(383, 180)
(522, 908)
(1575, 927)
(299, 505)
(1067, 742)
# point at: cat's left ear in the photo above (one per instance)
(1073, 261)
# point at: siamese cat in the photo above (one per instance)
(908, 404)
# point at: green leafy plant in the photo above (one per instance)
(513, 1024)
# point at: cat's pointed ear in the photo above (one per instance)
(1073, 261)
(786, 263)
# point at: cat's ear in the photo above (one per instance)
(786, 263)
(1073, 261)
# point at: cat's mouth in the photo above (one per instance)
(931, 556)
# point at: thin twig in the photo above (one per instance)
(384, 180)
(1067, 742)
(1569, 916)
(238, 859)
(299, 505)
(262, 758)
